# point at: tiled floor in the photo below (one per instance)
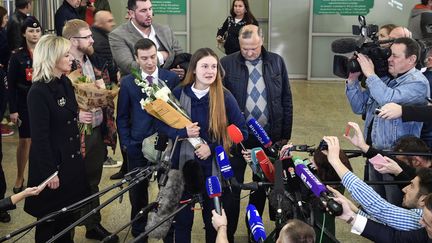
(320, 108)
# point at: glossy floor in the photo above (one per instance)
(320, 108)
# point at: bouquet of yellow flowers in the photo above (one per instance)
(163, 105)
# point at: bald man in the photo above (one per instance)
(399, 32)
(103, 24)
(258, 79)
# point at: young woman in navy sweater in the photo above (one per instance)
(212, 108)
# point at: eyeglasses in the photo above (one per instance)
(83, 37)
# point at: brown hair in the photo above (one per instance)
(3, 12)
(296, 231)
(248, 16)
(73, 27)
(217, 113)
(325, 171)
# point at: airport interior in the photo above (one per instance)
(300, 31)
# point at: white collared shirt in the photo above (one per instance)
(152, 36)
(155, 75)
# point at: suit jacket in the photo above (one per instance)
(123, 38)
(53, 112)
(133, 123)
(382, 233)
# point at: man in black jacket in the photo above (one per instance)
(67, 11)
(103, 24)
(14, 36)
(258, 79)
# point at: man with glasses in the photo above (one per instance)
(80, 35)
(140, 25)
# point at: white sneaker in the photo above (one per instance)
(111, 163)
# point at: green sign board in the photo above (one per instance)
(343, 7)
(177, 7)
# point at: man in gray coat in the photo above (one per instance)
(123, 38)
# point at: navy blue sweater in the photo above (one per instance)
(200, 114)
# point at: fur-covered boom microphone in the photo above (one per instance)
(168, 199)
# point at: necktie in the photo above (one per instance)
(150, 79)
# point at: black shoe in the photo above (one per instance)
(117, 176)
(100, 233)
(5, 217)
(17, 190)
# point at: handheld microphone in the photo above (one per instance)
(225, 167)
(168, 199)
(266, 165)
(278, 196)
(214, 191)
(344, 45)
(262, 136)
(254, 164)
(316, 186)
(256, 225)
(235, 134)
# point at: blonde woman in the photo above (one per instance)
(212, 108)
(53, 115)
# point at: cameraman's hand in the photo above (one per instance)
(390, 111)
(366, 65)
(353, 77)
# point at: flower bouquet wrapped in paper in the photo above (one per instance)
(91, 96)
(163, 105)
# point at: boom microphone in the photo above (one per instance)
(235, 134)
(256, 225)
(316, 186)
(214, 191)
(344, 45)
(262, 137)
(168, 199)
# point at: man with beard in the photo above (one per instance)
(123, 38)
(80, 35)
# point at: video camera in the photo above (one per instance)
(368, 45)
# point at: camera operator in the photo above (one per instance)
(407, 86)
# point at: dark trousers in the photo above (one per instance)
(48, 229)
(138, 195)
(181, 228)
(94, 158)
(3, 98)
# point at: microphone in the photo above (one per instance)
(168, 199)
(235, 134)
(225, 167)
(266, 165)
(214, 191)
(193, 177)
(254, 164)
(278, 195)
(262, 136)
(344, 45)
(256, 225)
(316, 186)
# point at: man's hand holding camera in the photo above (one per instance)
(366, 65)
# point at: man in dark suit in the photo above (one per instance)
(140, 25)
(134, 124)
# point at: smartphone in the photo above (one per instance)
(19, 122)
(377, 111)
(347, 130)
(378, 160)
(48, 179)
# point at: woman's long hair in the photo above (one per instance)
(218, 120)
(248, 16)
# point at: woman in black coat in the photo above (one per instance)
(240, 15)
(53, 113)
